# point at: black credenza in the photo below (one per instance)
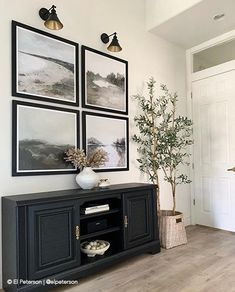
(42, 232)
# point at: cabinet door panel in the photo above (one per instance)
(138, 216)
(52, 243)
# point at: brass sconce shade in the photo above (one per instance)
(51, 19)
(114, 45)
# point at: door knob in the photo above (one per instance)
(231, 169)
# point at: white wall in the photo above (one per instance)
(159, 11)
(84, 21)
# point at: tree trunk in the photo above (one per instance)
(173, 197)
(158, 195)
(174, 200)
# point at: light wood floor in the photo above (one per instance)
(206, 263)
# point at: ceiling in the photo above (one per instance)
(196, 25)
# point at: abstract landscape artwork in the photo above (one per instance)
(41, 135)
(104, 81)
(44, 66)
(109, 133)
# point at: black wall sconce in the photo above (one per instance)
(50, 17)
(114, 45)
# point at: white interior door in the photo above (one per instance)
(214, 147)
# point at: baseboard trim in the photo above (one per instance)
(187, 221)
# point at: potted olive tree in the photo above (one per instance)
(162, 141)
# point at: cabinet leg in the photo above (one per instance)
(155, 249)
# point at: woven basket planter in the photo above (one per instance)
(172, 229)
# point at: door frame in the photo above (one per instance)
(190, 77)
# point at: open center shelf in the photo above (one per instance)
(88, 216)
(98, 233)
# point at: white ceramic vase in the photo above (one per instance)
(87, 179)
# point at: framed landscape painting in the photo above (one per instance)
(41, 135)
(109, 133)
(104, 82)
(44, 66)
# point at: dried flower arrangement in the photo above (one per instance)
(79, 159)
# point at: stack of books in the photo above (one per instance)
(95, 209)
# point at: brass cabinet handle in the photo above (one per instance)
(77, 232)
(125, 221)
(231, 169)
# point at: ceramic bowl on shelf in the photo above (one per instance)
(94, 247)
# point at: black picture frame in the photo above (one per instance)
(35, 140)
(101, 130)
(54, 78)
(113, 92)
